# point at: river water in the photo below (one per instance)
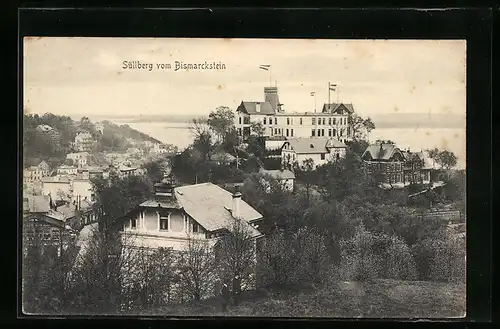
(415, 139)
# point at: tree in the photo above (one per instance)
(220, 121)
(196, 266)
(433, 154)
(304, 173)
(357, 146)
(446, 159)
(154, 171)
(148, 279)
(360, 127)
(198, 126)
(257, 128)
(235, 254)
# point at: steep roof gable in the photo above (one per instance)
(381, 152)
(337, 108)
(251, 108)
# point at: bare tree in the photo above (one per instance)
(236, 258)
(199, 127)
(196, 269)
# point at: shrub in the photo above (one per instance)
(441, 259)
(370, 255)
(278, 263)
(358, 260)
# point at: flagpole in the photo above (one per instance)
(270, 75)
(329, 95)
(314, 102)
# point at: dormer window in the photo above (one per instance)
(312, 146)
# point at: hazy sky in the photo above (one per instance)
(84, 75)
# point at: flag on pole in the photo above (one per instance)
(313, 93)
(332, 87)
(265, 67)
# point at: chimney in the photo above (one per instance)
(271, 96)
(236, 202)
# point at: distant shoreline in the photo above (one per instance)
(404, 121)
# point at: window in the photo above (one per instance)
(264, 120)
(313, 133)
(313, 121)
(275, 121)
(329, 133)
(323, 132)
(133, 223)
(329, 121)
(334, 121)
(196, 229)
(240, 120)
(319, 121)
(275, 131)
(287, 132)
(324, 121)
(322, 156)
(291, 131)
(163, 223)
(287, 121)
(300, 120)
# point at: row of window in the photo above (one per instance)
(280, 131)
(321, 133)
(289, 121)
(387, 166)
(164, 224)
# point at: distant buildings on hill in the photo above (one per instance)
(84, 142)
(49, 134)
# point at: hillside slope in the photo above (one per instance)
(381, 298)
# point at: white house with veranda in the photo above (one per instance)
(320, 150)
(176, 214)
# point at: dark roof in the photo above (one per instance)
(423, 156)
(381, 151)
(333, 107)
(251, 107)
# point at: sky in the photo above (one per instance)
(71, 76)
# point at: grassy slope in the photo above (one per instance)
(382, 298)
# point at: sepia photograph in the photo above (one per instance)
(283, 178)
